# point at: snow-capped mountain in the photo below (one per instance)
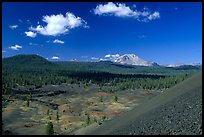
(196, 64)
(132, 59)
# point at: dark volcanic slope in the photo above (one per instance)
(177, 111)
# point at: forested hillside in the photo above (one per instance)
(33, 70)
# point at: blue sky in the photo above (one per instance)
(166, 33)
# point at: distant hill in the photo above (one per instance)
(23, 63)
(23, 59)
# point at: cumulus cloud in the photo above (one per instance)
(34, 44)
(154, 16)
(84, 56)
(28, 22)
(16, 47)
(121, 10)
(58, 41)
(113, 9)
(59, 24)
(55, 57)
(30, 34)
(94, 58)
(13, 26)
(102, 59)
(112, 56)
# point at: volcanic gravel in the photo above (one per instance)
(181, 116)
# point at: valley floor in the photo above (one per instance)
(73, 108)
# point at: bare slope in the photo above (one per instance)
(177, 111)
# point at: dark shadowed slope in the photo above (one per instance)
(177, 111)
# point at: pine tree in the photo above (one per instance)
(57, 118)
(49, 129)
(115, 98)
(101, 99)
(27, 102)
(88, 120)
(48, 112)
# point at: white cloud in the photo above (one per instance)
(154, 16)
(55, 57)
(102, 59)
(134, 6)
(112, 56)
(113, 9)
(58, 41)
(33, 44)
(16, 47)
(107, 56)
(3, 51)
(84, 56)
(13, 26)
(94, 58)
(121, 10)
(20, 21)
(28, 21)
(30, 34)
(59, 24)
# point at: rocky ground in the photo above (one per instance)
(181, 116)
(178, 111)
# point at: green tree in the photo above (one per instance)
(95, 120)
(101, 99)
(115, 98)
(48, 111)
(88, 119)
(30, 97)
(57, 118)
(49, 129)
(27, 102)
(104, 118)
